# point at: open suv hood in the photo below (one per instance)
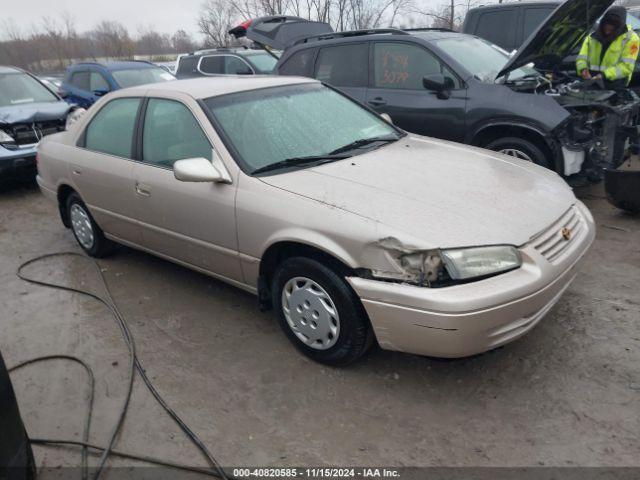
(279, 32)
(558, 35)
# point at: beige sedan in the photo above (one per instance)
(351, 229)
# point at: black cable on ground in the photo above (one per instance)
(87, 422)
(134, 364)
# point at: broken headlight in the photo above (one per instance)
(468, 263)
(7, 140)
(440, 268)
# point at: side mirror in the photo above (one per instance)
(387, 117)
(196, 170)
(63, 93)
(438, 83)
(100, 93)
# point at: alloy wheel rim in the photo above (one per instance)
(310, 313)
(81, 224)
(514, 152)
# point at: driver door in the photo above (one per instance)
(191, 222)
(397, 89)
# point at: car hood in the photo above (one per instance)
(439, 194)
(34, 112)
(558, 35)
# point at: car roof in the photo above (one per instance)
(115, 66)
(534, 3)
(205, 87)
(7, 69)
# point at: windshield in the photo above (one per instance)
(481, 58)
(262, 61)
(271, 125)
(20, 88)
(140, 76)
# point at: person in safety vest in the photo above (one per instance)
(611, 51)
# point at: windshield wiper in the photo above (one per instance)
(365, 141)
(298, 161)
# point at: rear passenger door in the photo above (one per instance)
(345, 67)
(397, 90)
(188, 221)
(102, 171)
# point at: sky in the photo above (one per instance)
(165, 16)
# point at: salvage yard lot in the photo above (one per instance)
(568, 393)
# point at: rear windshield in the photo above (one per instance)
(20, 89)
(262, 61)
(140, 76)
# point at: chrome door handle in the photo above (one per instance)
(378, 102)
(143, 190)
(77, 171)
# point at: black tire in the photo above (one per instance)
(355, 335)
(538, 155)
(101, 246)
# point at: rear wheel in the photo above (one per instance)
(88, 234)
(319, 312)
(522, 149)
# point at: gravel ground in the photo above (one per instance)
(568, 393)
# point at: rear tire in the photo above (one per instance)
(88, 234)
(523, 149)
(319, 312)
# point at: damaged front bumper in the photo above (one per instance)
(471, 318)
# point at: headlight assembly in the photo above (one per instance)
(467, 263)
(439, 268)
(7, 140)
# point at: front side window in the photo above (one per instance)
(111, 130)
(20, 89)
(272, 125)
(403, 66)
(98, 82)
(171, 133)
(141, 76)
(236, 66)
(80, 80)
(262, 61)
(344, 65)
(480, 58)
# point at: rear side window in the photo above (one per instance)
(213, 64)
(80, 80)
(403, 66)
(171, 133)
(498, 27)
(111, 130)
(300, 63)
(187, 65)
(344, 65)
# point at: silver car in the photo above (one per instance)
(351, 229)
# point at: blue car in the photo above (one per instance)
(84, 83)
(28, 111)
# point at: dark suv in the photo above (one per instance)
(225, 61)
(507, 25)
(459, 87)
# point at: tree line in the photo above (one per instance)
(54, 42)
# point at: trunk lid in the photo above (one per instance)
(279, 32)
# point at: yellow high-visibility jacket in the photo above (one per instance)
(618, 61)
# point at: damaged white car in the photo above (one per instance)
(350, 228)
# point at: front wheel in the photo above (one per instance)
(319, 312)
(522, 149)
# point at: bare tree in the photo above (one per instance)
(181, 42)
(215, 19)
(112, 40)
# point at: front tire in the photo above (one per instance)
(88, 234)
(522, 149)
(319, 312)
